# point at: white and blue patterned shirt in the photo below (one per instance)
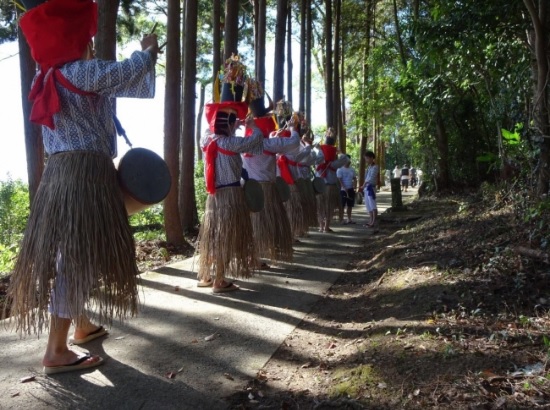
(229, 167)
(85, 122)
(263, 167)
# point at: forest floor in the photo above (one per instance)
(440, 310)
(445, 307)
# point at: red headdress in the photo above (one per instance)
(240, 109)
(58, 32)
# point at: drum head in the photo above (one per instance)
(283, 188)
(319, 185)
(254, 195)
(144, 176)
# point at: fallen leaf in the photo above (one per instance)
(228, 376)
(27, 379)
(170, 375)
(194, 341)
(250, 396)
(306, 366)
(211, 337)
(119, 338)
(15, 394)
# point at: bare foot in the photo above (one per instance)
(84, 328)
(66, 358)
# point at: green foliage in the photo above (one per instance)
(200, 189)
(14, 213)
(148, 224)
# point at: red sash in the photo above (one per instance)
(211, 153)
(45, 98)
(283, 163)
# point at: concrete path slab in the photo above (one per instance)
(212, 343)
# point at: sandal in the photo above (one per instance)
(229, 287)
(206, 284)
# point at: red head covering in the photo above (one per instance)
(240, 109)
(58, 32)
(266, 125)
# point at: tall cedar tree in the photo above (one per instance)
(172, 122)
(279, 57)
(231, 37)
(187, 202)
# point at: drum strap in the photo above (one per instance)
(282, 163)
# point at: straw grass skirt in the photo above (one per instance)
(226, 244)
(272, 233)
(78, 218)
(328, 203)
(310, 203)
(295, 211)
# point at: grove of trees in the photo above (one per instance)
(459, 89)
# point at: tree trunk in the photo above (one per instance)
(538, 38)
(34, 148)
(309, 37)
(198, 129)
(289, 54)
(443, 151)
(216, 39)
(336, 80)
(261, 41)
(231, 37)
(329, 88)
(279, 60)
(369, 5)
(172, 105)
(303, 52)
(187, 202)
(105, 39)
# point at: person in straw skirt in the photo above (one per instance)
(226, 248)
(328, 164)
(287, 169)
(78, 240)
(272, 233)
(305, 174)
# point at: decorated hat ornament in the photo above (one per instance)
(233, 78)
(255, 97)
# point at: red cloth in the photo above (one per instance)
(266, 125)
(58, 32)
(284, 170)
(211, 153)
(329, 152)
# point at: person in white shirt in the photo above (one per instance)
(397, 172)
(329, 162)
(348, 183)
(271, 226)
(369, 188)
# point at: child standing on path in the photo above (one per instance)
(369, 189)
(348, 183)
